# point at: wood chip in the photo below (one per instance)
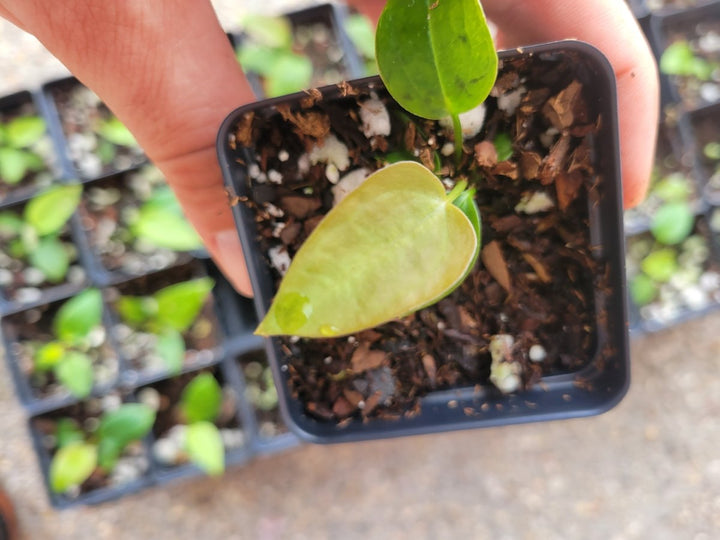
(486, 154)
(530, 165)
(409, 138)
(364, 359)
(506, 168)
(342, 408)
(313, 96)
(538, 267)
(495, 263)
(426, 158)
(560, 109)
(555, 160)
(243, 131)
(300, 207)
(311, 123)
(311, 223)
(353, 396)
(428, 362)
(567, 187)
(371, 402)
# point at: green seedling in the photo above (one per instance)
(712, 151)
(168, 314)
(18, 137)
(67, 356)
(362, 35)
(112, 133)
(680, 59)
(672, 223)
(503, 146)
(399, 242)
(34, 237)
(199, 407)
(268, 51)
(80, 454)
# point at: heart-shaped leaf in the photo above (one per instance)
(204, 446)
(51, 257)
(75, 372)
(118, 428)
(114, 130)
(393, 245)
(78, 316)
(165, 228)
(436, 58)
(72, 465)
(171, 348)
(180, 304)
(50, 210)
(24, 131)
(201, 399)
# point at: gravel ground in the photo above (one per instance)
(648, 469)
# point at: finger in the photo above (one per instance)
(167, 70)
(610, 26)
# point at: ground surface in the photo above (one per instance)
(648, 469)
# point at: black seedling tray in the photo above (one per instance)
(560, 396)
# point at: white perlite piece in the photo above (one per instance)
(274, 176)
(283, 155)
(533, 203)
(348, 183)
(332, 173)
(447, 149)
(279, 258)
(331, 150)
(504, 373)
(375, 118)
(471, 121)
(537, 353)
(511, 101)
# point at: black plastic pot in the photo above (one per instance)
(594, 389)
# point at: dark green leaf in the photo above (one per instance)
(201, 399)
(24, 131)
(118, 428)
(503, 146)
(672, 223)
(204, 446)
(51, 257)
(67, 432)
(171, 348)
(72, 465)
(392, 246)
(13, 165)
(180, 304)
(48, 356)
(75, 372)
(114, 130)
(436, 58)
(78, 316)
(49, 211)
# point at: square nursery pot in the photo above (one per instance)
(549, 294)
(20, 186)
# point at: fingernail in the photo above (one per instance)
(229, 256)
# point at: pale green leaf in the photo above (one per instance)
(643, 290)
(50, 210)
(170, 347)
(75, 372)
(72, 465)
(393, 245)
(24, 131)
(267, 30)
(165, 228)
(48, 356)
(13, 165)
(660, 265)
(180, 304)
(362, 34)
(436, 58)
(204, 446)
(672, 223)
(10, 225)
(51, 257)
(201, 399)
(114, 130)
(257, 58)
(289, 73)
(78, 316)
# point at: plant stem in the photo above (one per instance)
(457, 190)
(457, 130)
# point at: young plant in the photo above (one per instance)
(268, 51)
(112, 133)
(199, 407)
(18, 137)
(168, 314)
(361, 32)
(79, 453)
(398, 242)
(680, 59)
(68, 355)
(34, 237)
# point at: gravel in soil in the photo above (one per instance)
(261, 393)
(534, 283)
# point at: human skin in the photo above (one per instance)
(167, 71)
